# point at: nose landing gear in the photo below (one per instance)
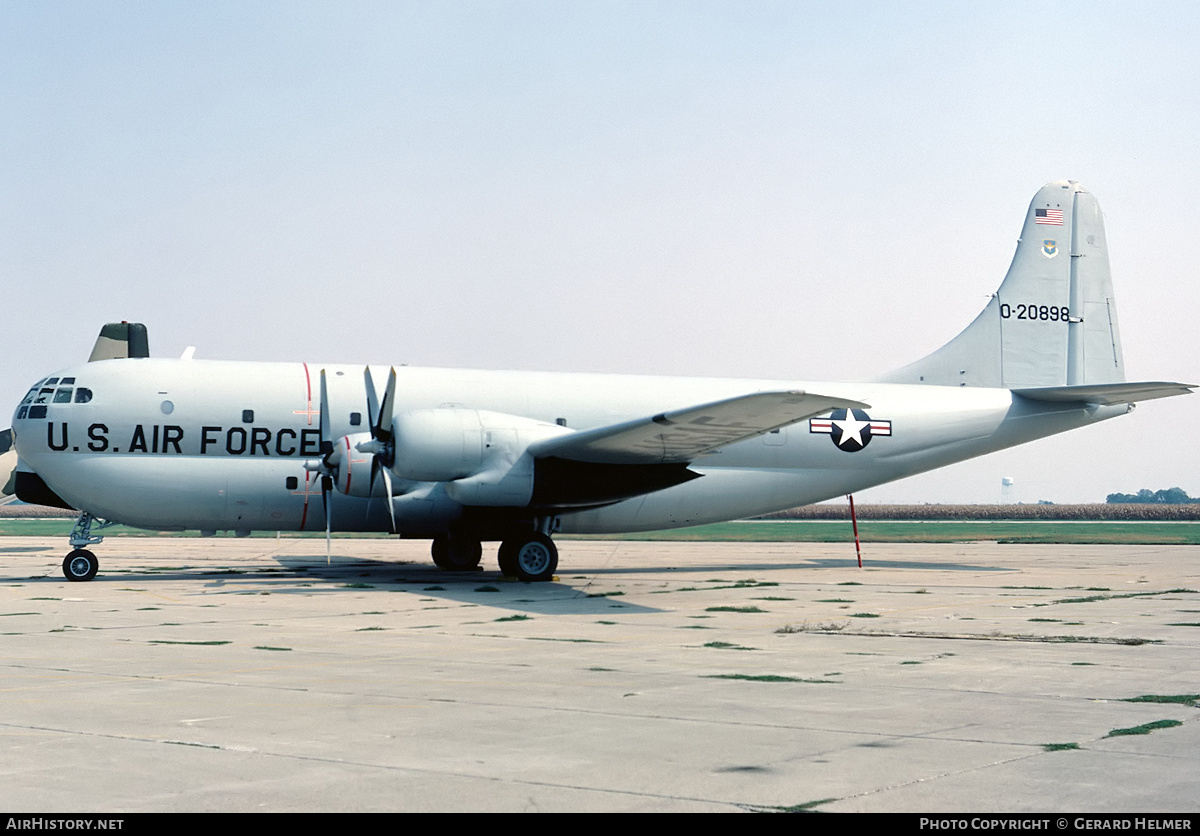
(80, 564)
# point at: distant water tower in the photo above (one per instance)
(1007, 488)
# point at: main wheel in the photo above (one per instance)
(506, 556)
(535, 557)
(80, 565)
(457, 554)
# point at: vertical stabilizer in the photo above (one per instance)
(119, 340)
(1052, 322)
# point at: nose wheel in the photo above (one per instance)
(80, 565)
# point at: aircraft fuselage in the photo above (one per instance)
(219, 445)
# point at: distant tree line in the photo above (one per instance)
(1168, 496)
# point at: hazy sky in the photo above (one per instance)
(812, 191)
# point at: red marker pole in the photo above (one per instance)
(854, 520)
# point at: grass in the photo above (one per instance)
(812, 531)
(1145, 728)
(165, 641)
(1092, 598)
(806, 807)
(932, 531)
(734, 609)
(1168, 699)
(1059, 747)
(769, 677)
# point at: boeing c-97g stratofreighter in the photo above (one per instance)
(464, 457)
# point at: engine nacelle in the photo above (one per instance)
(480, 455)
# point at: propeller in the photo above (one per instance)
(382, 445)
(337, 465)
(326, 466)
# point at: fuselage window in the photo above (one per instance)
(247, 416)
(63, 395)
(83, 395)
(355, 419)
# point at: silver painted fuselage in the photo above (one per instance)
(215, 445)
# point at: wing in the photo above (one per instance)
(608, 464)
(681, 435)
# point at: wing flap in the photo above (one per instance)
(1106, 393)
(683, 434)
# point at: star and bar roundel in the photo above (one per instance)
(850, 429)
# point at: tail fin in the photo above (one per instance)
(1053, 321)
(119, 340)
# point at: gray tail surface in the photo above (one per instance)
(119, 340)
(1053, 322)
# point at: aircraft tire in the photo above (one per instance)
(456, 554)
(80, 565)
(535, 558)
(507, 558)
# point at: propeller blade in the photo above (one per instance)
(382, 428)
(326, 439)
(387, 483)
(327, 502)
(372, 401)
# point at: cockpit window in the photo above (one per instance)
(46, 392)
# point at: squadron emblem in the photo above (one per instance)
(1049, 248)
(850, 429)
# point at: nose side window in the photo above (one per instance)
(83, 395)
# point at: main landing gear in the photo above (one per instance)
(528, 556)
(531, 557)
(80, 564)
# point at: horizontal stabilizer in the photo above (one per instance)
(1106, 393)
(683, 434)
